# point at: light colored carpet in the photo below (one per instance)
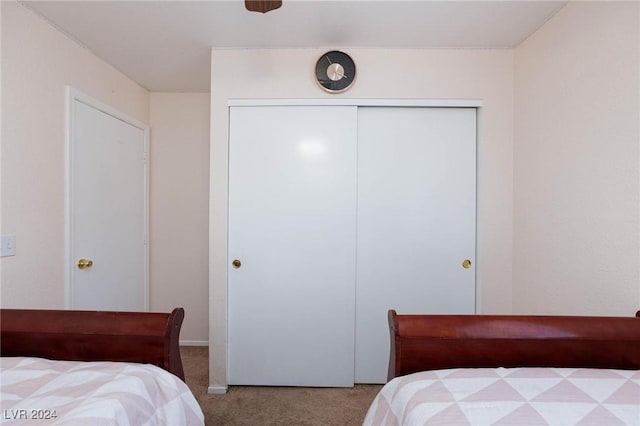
(264, 406)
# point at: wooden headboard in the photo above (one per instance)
(142, 337)
(428, 342)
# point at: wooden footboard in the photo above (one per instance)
(142, 337)
(427, 342)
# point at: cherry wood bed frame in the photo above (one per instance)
(143, 337)
(428, 342)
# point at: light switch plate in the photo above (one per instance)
(7, 245)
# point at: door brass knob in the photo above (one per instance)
(85, 263)
(466, 264)
(236, 263)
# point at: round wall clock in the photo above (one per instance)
(335, 71)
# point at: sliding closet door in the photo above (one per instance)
(292, 237)
(416, 222)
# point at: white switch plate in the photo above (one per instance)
(7, 245)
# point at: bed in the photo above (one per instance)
(509, 369)
(93, 367)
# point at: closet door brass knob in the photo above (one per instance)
(85, 263)
(236, 263)
(466, 264)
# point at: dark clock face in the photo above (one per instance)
(335, 71)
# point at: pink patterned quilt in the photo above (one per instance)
(509, 396)
(45, 392)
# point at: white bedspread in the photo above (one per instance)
(45, 392)
(514, 396)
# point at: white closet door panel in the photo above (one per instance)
(292, 224)
(416, 221)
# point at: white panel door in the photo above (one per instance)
(292, 225)
(107, 211)
(416, 221)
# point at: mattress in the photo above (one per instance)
(41, 391)
(509, 396)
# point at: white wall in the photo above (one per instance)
(576, 161)
(37, 63)
(179, 206)
(427, 74)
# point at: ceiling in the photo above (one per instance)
(165, 45)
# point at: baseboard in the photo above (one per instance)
(194, 343)
(219, 390)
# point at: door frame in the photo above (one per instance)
(71, 96)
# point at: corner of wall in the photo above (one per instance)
(576, 157)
